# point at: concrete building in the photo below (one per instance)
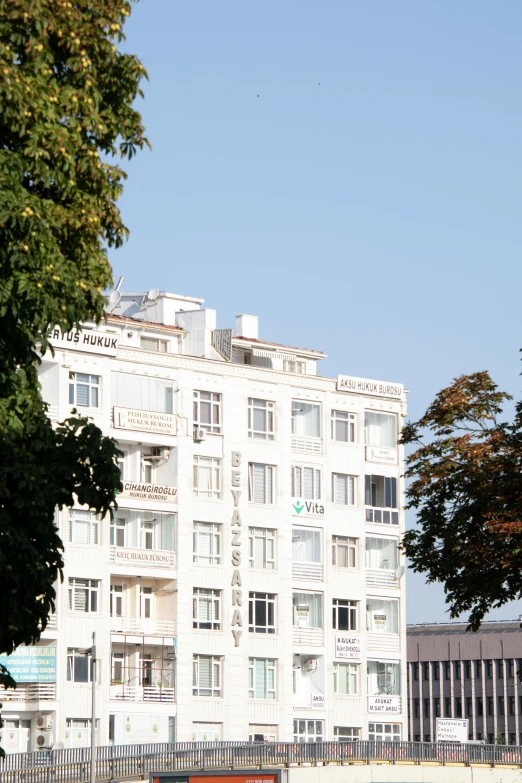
(455, 674)
(249, 584)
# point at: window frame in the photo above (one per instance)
(382, 414)
(266, 538)
(92, 385)
(268, 489)
(215, 667)
(388, 680)
(162, 344)
(268, 434)
(73, 654)
(116, 592)
(92, 589)
(214, 601)
(215, 469)
(296, 410)
(347, 733)
(352, 671)
(350, 419)
(394, 614)
(349, 480)
(215, 536)
(298, 482)
(352, 614)
(215, 403)
(270, 667)
(268, 600)
(92, 525)
(351, 546)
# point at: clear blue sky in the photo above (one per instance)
(375, 216)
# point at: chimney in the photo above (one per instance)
(247, 326)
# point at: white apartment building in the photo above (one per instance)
(249, 585)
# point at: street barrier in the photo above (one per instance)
(120, 762)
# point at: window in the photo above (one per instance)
(306, 482)
(83, 595)
(261, 483)
(154, 344)
(346, 679)
(416, 708)
(380, 492)
(344, 552)
(143, 529)
(206, 539)
(206, 609)
(343, 426)
(479, 706)
(117, 668)
(478, 670)
(262, 732)
(261, 613)
(500, 669)
(295, 366)
(384, 678)
(447, 706)
(344, 615)
(426, 671)
(382, 616)
(381, 553)
(458, 707)
(261, 678)
(380, 429)
(490, 704)
(511, 705)
(306, 545)
(447, 670)
(116, 601)
(83, 527)
(306, 419)
(308, 610)
(146, 602)
(206, 675)
(118, 531)
(500, 703)
(79, 666)
(142, 392)
(308, 730)
(511, 668)
(261, 542)
(207, 732)
(435, 670)
(207, 477)
(347, 734)
(260, 419)
(469, 706)
(426, 703)
(384, 732)
(343, 489)
(489, 669)
(456, 670)
(467, 670)
(415, 671)
(207, 411)
(84, 390)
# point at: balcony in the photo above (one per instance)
(310, 636)
(307, 445)
(31, 691)
(142, 626)
(381, 577)
(382, 516)
(155, 558)
(142, 693)
(308, 572)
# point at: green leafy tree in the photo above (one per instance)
(66, 109)
(466, 489)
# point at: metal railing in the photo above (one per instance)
(133, 761)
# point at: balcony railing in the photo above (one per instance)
(140, 558)
(144, 693)
(382, 516)
(143, 626)
(308, 572)
(383, 642)
(307, 445)
(312, 636)
(381, 577)
(31, 691)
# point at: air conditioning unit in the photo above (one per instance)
(158, 452)
(44, 722)
(44, 739)
(310, 666)
(199, 434)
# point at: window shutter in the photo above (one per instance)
(317, 484)
(368, 490)
(269, 484)
(394, 493)
(387, 492)
(308, 482)
(341, 432)
(204, 673)
(297, 484)
(260, 680)
(350, 490)
(82, 394)
(340, 489)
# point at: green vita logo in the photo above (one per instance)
(308, 507)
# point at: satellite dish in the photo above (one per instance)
(114, 297)
(153, 294)
(399, 573)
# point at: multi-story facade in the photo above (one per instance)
(249, 583)
(463, 675)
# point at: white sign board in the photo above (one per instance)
(388, 456)
(88, 340)
(145, 421)
(142, 557)
(348, 647)
(349, 383)
(318, 701)
(384, 704)
(452, 730)
(137, 491)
